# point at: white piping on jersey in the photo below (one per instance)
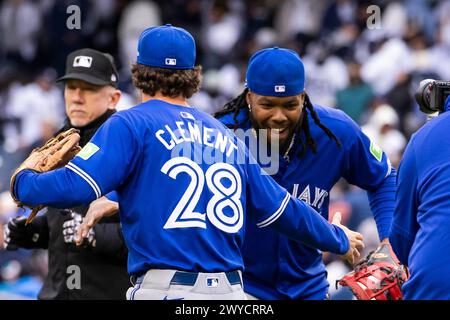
(86, 178)
(276, 214)
(389, 170)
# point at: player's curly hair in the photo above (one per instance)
(170, 83)
(239, 103)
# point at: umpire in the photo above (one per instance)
(98, 269)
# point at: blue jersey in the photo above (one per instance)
(281, 268)
(420, 234)
(184, 184)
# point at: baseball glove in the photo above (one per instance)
(54, 154)
(379, 276)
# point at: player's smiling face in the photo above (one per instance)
(277, 114)
(86, 102)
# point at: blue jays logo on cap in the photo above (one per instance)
(276, 72)
(166, 47)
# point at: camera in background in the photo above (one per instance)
(432, 94)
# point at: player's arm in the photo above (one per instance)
(382, 203)
(104, 207)
(99, 168)
(109, 240)
(368, 167)
(404, 224)
(60, 188)
(294, 218)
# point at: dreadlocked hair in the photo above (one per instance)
(237, 104)
(304, 127)
(234, 106)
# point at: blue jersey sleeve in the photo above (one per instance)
(99, 168)
(274, 207)
(60, 188)
(368, 167)
(107, 160)
(404, 225)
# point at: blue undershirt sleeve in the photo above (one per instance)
(382, 203)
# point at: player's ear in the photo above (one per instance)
(302, 97)
(114, 98)
(248, 98)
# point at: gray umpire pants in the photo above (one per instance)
(180, 285)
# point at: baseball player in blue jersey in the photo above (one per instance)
(318, 146)
(421, 225)
(185, 181)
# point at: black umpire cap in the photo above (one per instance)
(91, 66)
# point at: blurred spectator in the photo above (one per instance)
(441, 50)
(351, 201)
(356, 97)
(102, 19)
(18, 280)
(382, 129)
(259, 15)
(399, 97)
(387, 65)
(395, 19)
(57, 41)
(339, 13)
(40, 107)
(20, 21)
(137, 16)
(419, 12)
(8, 207)
(219, 86)
(6, 79)
(222, 28)
(299, 16)
(326, 72)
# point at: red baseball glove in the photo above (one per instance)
(379, 276)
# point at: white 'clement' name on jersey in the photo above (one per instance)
(193, 133)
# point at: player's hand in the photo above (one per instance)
(102, 207)
(355, 240)
(71, 226)
(18, 235)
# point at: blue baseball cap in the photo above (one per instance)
(166, 47)
(276, 72)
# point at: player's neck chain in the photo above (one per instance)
(286, 154)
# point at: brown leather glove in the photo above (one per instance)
(54, 154)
